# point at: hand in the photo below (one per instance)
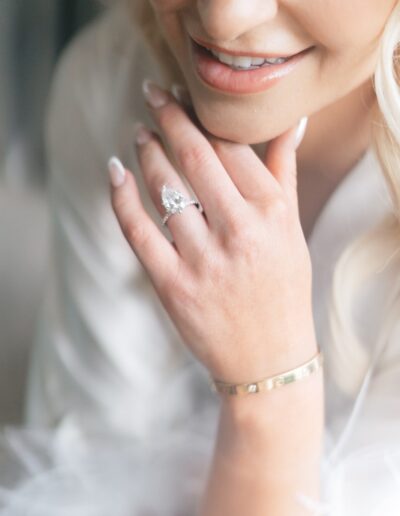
(237, 281)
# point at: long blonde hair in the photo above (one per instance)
(371, 252)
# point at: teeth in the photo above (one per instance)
(224, 58)
(244, 61)
(257, 60)
(276, 60)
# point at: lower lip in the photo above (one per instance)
(224, 78)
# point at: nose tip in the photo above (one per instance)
(226, 20)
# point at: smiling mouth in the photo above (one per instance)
(239, 74)
(241, 62)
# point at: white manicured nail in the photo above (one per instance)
(117, 172)
(155, 95)
(181, 94)
(301, 130)
(142, 134)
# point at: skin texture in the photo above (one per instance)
(224, 267)
(332, 86)
(242, 305)
(341, 61)
(237, 281)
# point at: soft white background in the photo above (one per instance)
(31, 36)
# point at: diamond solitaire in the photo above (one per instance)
(174, 202)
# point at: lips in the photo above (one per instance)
(238, 53)
(224, 78)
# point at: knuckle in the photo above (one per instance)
(135, 233)
(279, 209)
(246, 240)
(238, 224)
(246, 247)
(242, 234)
(192, 156)
(182, 294)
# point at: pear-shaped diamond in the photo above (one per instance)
(172, 200)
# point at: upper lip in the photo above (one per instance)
(246, 53)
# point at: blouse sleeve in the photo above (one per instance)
(120, 417)
(106, 354)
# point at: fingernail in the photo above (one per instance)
(155, 96)
(142, 134)
(181, 94)
(301, 130)
(117, 172)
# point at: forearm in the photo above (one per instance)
(268, 449)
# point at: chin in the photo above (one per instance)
(236, 126)
(234, 131)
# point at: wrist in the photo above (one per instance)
(286, 425)
(263, 357)
(282, 404)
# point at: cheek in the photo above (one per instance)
(347, 35)
(341, 25)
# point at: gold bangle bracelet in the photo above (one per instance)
(272, 382)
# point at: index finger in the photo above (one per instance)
(195, 158)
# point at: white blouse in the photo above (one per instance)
(120, 418)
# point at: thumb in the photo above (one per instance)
(280, 157)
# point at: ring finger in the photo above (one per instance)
(189, 229)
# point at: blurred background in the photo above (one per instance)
(32, 35)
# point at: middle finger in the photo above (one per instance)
(189, 229)
(196, 159)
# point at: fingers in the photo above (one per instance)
(154, 251)
(223, 173)
(194, 156)
(280, 159)
(189, 228)
(248, 172)
(245, 168)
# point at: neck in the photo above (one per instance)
(336, 138)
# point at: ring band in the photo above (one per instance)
(174, 202)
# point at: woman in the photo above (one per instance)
(236, 287)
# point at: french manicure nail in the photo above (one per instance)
(155, 96)
(142, 134)
(181, 94)
(117, 172)
(301, 130)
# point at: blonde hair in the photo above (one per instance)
(144, 18)
(370, 253)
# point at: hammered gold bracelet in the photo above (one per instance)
(271, 382)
